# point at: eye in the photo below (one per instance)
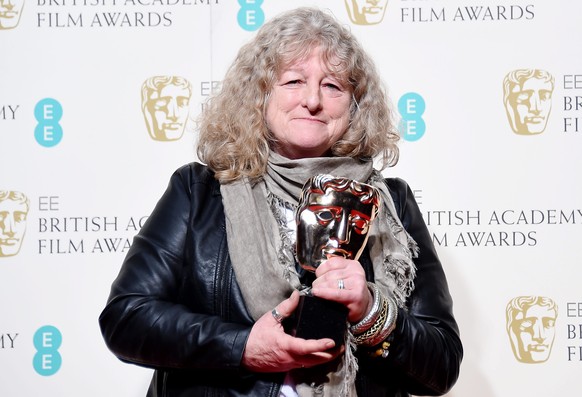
(546, 95)
(324, 216)
(293, 82)
(161, 103)
(360, 225)
(549, 323)
(19, 216)
(525, 325)
(332, 86)
(523, 96)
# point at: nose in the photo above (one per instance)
(173, 109)
(342, 229)
(312, 97)
(8, 226)
(539, 333)
(535, 103)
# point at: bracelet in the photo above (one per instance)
(388, 326)
(363, 339)
(372, 316)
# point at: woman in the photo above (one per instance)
(207, 281)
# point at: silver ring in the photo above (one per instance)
(276, 315)
(340, 284)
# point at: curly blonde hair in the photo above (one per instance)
(234, 139)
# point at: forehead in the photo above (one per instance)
(297, 59)
(343, 199)
(173, 90)
(12, 206)
(533, 84)
(539, 311)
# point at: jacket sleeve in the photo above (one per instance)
(144, 321)
(426, 345)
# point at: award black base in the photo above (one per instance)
(317, 318)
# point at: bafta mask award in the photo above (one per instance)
(333, 218)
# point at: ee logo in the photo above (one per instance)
(48, 112)
(411, 107)
(47, 341)
(250, 16)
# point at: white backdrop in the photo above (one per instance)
(504, 207)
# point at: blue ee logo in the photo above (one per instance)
(47, 341)
(411, 107)
(250, 16)
(48, 112)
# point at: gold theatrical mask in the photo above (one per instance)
(366, 12)
(10, 13)
(527, 97)
(165, 106)
(13, 212)
(531, 326)
(333, 218)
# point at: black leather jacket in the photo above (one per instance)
(176, 306)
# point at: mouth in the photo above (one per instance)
(8, 241)
(172, 126)
(535, 120)
(538, 348)
(310, 120)
(8, 14)
(372, 10)
(331, 251)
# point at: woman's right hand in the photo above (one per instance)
(270, 349)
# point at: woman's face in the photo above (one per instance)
(308, 110)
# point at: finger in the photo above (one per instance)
(285, 308)
(330, 264)
(311, 360)
(304, 347)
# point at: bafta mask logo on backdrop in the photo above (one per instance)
(165, 104)
(13, 212)
(366, 12)
(531, 326)
(527, 97)
(10, 12)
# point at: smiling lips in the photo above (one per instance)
(309, 119)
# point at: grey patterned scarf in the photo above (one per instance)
(263, 262)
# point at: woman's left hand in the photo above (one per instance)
(344, 281)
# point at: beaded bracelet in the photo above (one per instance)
(372, 316)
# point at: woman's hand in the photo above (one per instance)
(355, 294)
(270, 349)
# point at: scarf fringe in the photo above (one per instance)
(286, 251)
(350, 367)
